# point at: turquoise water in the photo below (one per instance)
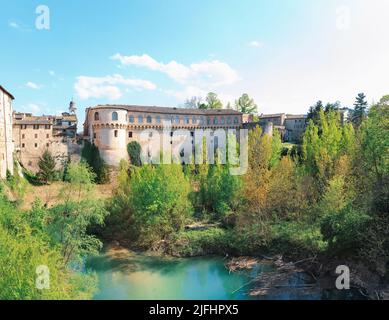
(128, 276)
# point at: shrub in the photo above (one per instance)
(91, 154)
(344, 229)
(134, 151)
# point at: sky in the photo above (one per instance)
(286, 54)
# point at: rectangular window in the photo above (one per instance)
(23, 145)
(116, 133)
(23, 136)
(24, 126)
(130, 134)
(36, 145)
(47, 136)
(47, 126)
(94, 136)
(47, 145)
(36, 136)
(36, 126)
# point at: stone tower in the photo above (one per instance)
(72, 107)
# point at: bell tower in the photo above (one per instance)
(72, 107)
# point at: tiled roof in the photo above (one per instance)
(298, 116)
(272, 115)
(166, 110)
(33, 121)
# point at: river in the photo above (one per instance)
(124, 275)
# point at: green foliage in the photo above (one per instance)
(277, 147)
(359, 113)
(343, 230)
(297, 238)
(219, 191)
(17, 184)
(156, 201)
(24, 246)
(70, 220)
(46, 166)
(91, 154)
(134, 151)
(246, 105)
(200, 242)
(212, 102)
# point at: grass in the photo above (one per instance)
(50, 194)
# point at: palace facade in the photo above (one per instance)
(112, 127)
(6, 144)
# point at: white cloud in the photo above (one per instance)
(14, 25)
(33, 85)
(202, 74)
(107, 87)
(34, 108)
(55, 75)
(256, 44)
(191, 91)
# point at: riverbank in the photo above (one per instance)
(318, 266)
(125, 274)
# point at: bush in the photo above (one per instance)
(200, 242)
(344, 230)
(159, 201)
(22, 250)
(297, 238)
(91, 154)
(134, 151)
(46, 168)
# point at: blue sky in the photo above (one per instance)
(287, 54)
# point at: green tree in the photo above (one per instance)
(213, 102)
(46, 166)
(246, 105)
(159, 202)
(277, 148)
(374, 151)
(194, 103)
(314, 112)
(70, 220)
(360, 107)
(24, 246)
(220, 191)
(91, 154)
(134, 152)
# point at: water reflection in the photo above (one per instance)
(126, 275)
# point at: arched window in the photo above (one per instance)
(115, 116)
(177, 119)
(149, 120)
(158, 119)
(236, 120)
(131, 119)
(140, 119)
(97, 116)
(223, 121)
(215, 120)
(229, 121)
